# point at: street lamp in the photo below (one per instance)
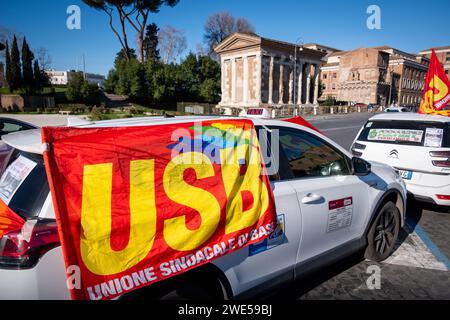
(298, 42)
(391, 72)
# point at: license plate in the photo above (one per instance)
(407, 175)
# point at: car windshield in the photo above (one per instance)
(426, 134)
(23, 183)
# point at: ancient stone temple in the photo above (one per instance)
(260, 72)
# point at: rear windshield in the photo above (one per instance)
(426, 134)
(23, 184)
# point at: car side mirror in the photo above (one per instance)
(361, 167)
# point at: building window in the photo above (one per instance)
(333, 86)
(324, 76)
(334, 75)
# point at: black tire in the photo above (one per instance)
(383, 233)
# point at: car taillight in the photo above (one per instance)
(356, 147)
(440, 154)
(22, 249)
(443, 197)
(441, 163)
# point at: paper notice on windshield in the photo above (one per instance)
(402, 135)
(433, 137)
(14, 176)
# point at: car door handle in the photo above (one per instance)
(311, 198)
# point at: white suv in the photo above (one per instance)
(328, 205)
(416, 145)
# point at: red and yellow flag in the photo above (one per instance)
(436, 93)
(138, 205)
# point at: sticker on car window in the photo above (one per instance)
(14, 176)
(433, 137)
(368, 125)
(403, 135)
(340, 214)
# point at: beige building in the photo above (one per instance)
(408, 72)
(443, 54)
(260, 72)
(379, 76)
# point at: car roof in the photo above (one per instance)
(406, 116)
(31, 141)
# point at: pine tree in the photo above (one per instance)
(16, 73)
(38, 76)
(27, 66)
(151, 52)
(8, 66)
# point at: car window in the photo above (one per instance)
(23, 184)
(7, 127)
(309, 156)
(403, 132)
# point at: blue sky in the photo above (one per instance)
(410, 25)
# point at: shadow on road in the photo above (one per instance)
(308, 282)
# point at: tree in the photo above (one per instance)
(27, 66)
(74, 87)
(172, 43)
(40, 77)
(44, 59)
(123, 56)
(8, 72)
(220, 25)
(151, 51)
(79, 90)
(7, 35)
(134, 13)
(15, 81)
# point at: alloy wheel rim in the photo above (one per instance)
(385, 232)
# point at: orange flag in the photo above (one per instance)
(436, 93)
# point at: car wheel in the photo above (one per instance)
(383, 233)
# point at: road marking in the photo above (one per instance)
(341, 128)
(432, 246)
(417, 250)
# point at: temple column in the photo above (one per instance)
(271, 80)
(234, 78)
(300, 85)
(308, 83)
(223, 82)
(291, 86)
(258, 78)
(245, 80)
(316, 83)
(281, 90)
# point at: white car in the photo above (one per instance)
(396, 109)
(329, 205)
(416, 145)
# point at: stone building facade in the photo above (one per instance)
(408, 72)
(443, 54)
(379, 76)
(260, 72)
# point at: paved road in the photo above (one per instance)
(342, 128)
(420, 266)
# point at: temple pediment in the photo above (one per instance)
(238, 41)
